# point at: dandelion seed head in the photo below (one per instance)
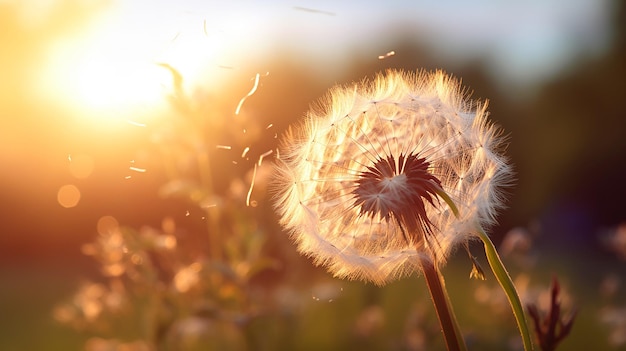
(366, 183)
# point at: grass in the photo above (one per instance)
(30, 291)
(27, 297)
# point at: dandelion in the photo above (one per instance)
(387, 177)
(371, 181)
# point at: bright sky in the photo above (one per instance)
(111, 61)
(98, 57)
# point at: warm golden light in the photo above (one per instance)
(102, 81)
(112, 68)
(81, 165)
(114, 83)
(68, 196)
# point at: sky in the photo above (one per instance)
(97, 59)
(523, 42)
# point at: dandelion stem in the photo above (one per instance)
(448, 201)
(441, 301)
(507, 285)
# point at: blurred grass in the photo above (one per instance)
(27, 297)
(30, 292)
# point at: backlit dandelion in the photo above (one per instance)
(388, 173)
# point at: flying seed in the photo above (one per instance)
(251, 186)
(135, 123)
(245, 152)
(252, 91)
(390, 53)
(308, 9)
(265, 154)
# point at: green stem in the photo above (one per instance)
(441, 301)
(507, 285)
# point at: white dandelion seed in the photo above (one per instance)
(250, 93)
(137, 169)
(245, 152)
(388, 172)
(263, 156)
(389, 54)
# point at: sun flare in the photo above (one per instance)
(111, 69)
(102, 84)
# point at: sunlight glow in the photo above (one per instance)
(102, 83)
(107, 84)
(112, 68)
(81, 165)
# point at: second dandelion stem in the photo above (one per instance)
(507, 285)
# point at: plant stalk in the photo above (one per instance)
(507, 285)
(206, 179)
(441, 301)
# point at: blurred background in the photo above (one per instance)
(89, 91)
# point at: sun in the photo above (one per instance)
(113, 68)
(115, 83)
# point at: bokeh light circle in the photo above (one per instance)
(68, 196)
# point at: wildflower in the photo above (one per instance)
(552, 328)
(389, 172)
